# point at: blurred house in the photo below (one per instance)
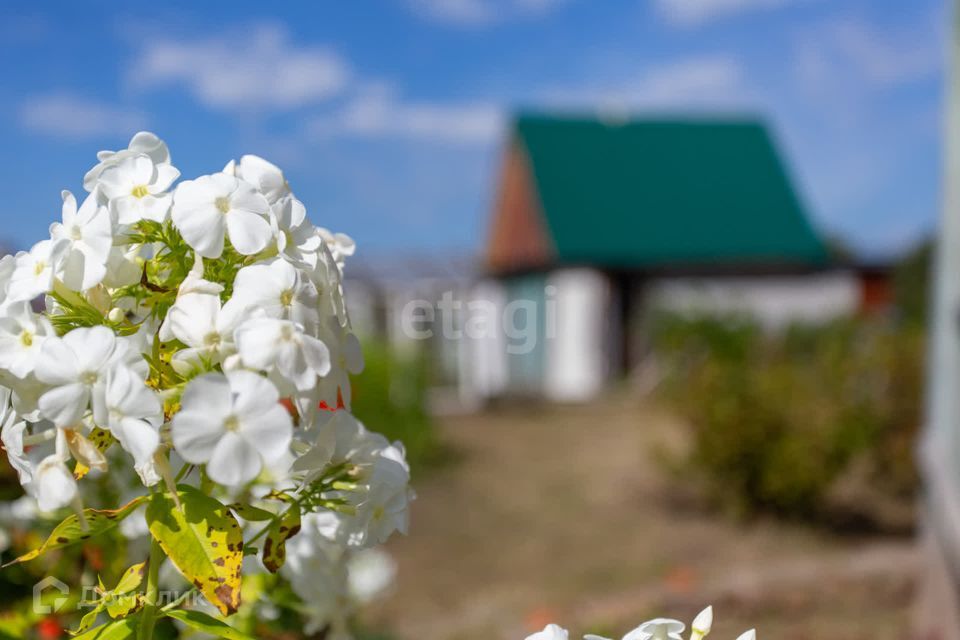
(597, 224)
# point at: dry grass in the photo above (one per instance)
(562, 514)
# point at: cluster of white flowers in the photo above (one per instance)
(658, 629)
(196, 325)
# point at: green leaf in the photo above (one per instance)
(116, 630)
(251, 513)
(207, 624)
(123, 606)
(131, 578)
(88, 619)
(70, 531)
(204, 542)
(275, 544)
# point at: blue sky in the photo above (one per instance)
(388, 116)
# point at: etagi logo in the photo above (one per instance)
(42, 605)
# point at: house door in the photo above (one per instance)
(523, 327)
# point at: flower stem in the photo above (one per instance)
(149, 616)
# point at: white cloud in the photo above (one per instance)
(66, 115)
(883, 58)
(255, 70)
(707, 81)
(691, 13)
(478, 13)
(377, 112)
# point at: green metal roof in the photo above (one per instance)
(666, 192)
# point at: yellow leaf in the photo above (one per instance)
(204, 542)
(275, 544)
(71, 530)
(122, 606)
(131, 578)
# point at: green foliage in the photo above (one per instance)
(777, 420)
(116, 630)
(401, 411)
(911, 283)
(206, 624)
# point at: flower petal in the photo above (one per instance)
(249, 232)
(64, 405)
(234, 461)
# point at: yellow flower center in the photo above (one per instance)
(212, 339)
(26, 338)
(39, 267)
(139, 191)
(222, 204)
(232, 423)
(286, 298)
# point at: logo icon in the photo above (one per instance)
(45, 606)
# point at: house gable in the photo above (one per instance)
(519, 238)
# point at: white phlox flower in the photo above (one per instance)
(233, 423)
(280, 291)
(297, 241)
(341, 438)
(87, 238)
(193, 283)
(199, 321)
(142, 143)
(53, 484)
(701, 625)
(657, 629)
(327, 278)
(136, 189)
(370, 574)
(34, 271)
(385, 507)
(134, 413)
(270, 344)
(22, 334)
(341, 245)
(74, 369)
(210, 208)
(7, 264)
(550, 632)
(264, 175)
(317, 573)
(346, 358)
(12, 429)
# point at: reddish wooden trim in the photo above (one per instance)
(519, 238)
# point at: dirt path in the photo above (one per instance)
(561, 514)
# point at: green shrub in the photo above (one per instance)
(778, 419)
(390, 396)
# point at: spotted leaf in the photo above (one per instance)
(203, 540)
(275, 544)
(71, 530)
